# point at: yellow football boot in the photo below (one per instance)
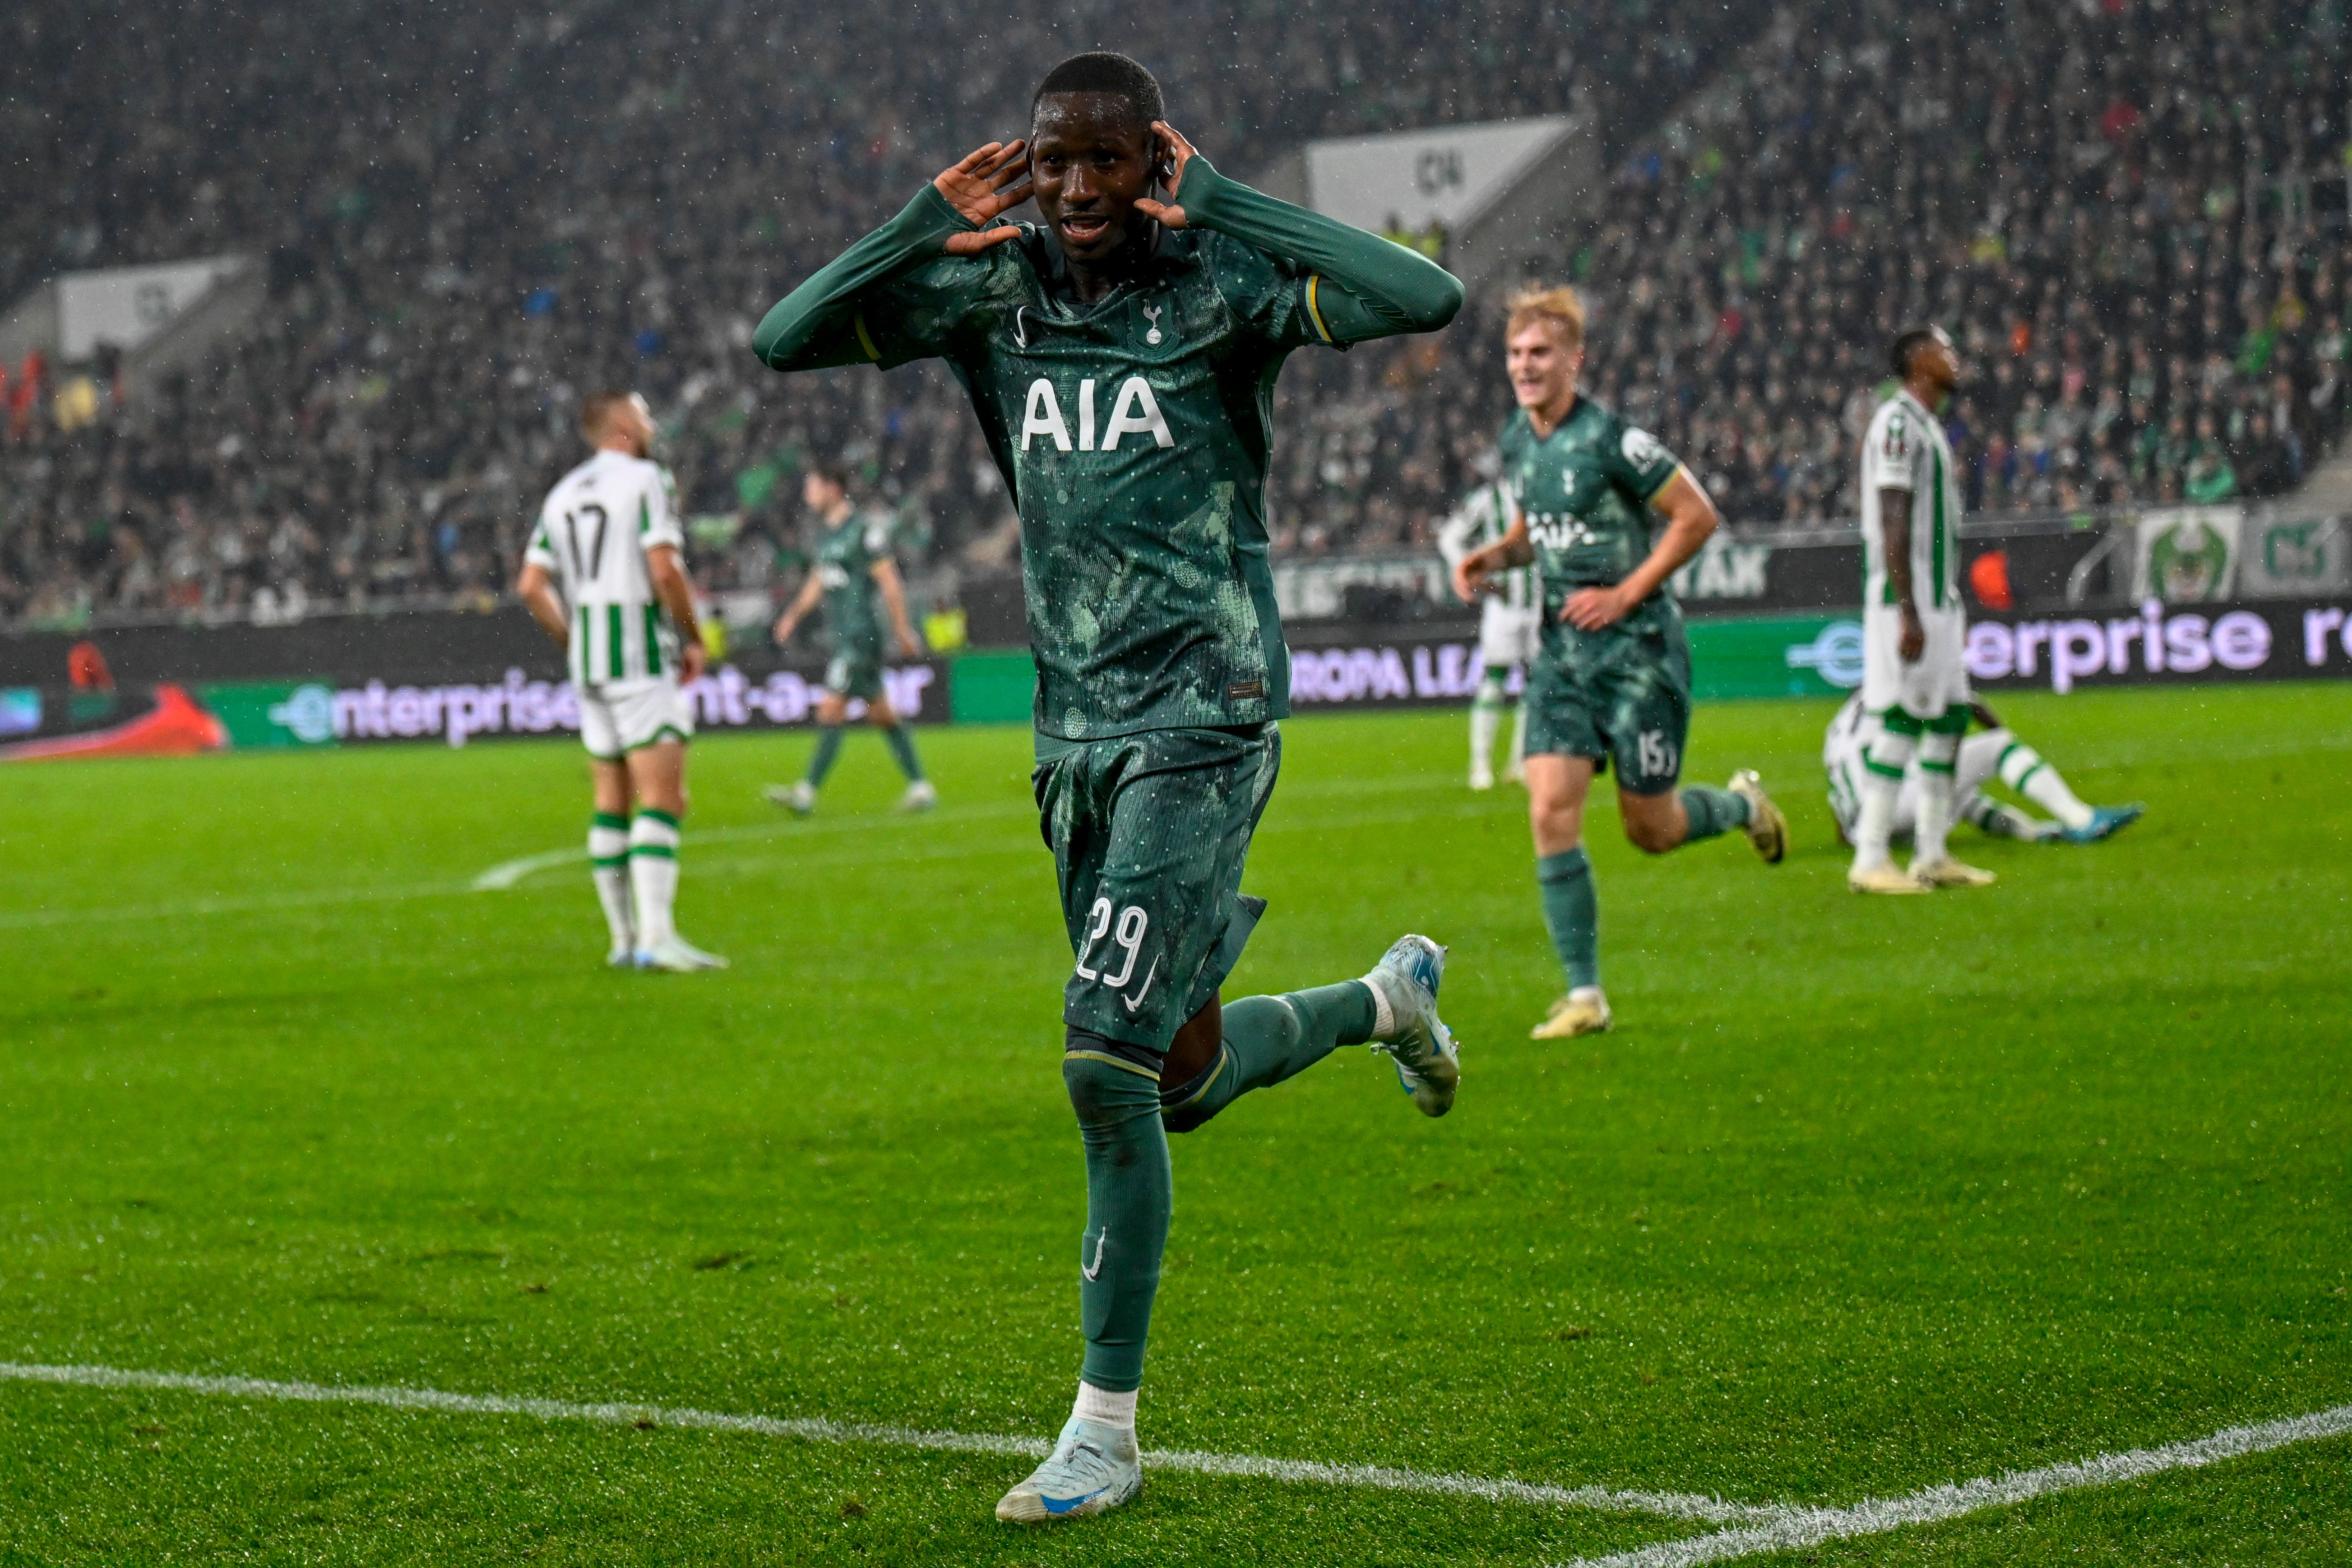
(1950, 873)
(1583, 1011)
(1884, 878)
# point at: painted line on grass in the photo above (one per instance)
(1799, 1526)
(816, 1429)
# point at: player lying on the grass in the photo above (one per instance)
(1508, 628)
(1993, 753)
(853, 569)
(1915, 628)
(1121, 359)
(1611, 676)
(603, 575)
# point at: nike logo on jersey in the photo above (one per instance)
(1091, 1275)
(1137, 1000)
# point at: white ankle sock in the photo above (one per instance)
(1104, 1408)
(1383, 1015)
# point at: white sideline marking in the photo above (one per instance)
(815, 1429)
(1798, 1526)
(506, 874)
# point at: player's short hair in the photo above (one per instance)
(1906, 344)
(832, 471)
(1100, 70)
(1559, 305)
(596, 412)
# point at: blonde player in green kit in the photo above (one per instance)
(1611, 679)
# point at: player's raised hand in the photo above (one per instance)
(993, 179)
(1174, 153)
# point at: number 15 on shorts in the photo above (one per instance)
(1657, 754)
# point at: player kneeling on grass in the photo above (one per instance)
(853, 569)
(1993, 753)
(1611, 677)
(1119, 356)
(603, 576)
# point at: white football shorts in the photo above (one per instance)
(1937, 681)
(1508, 636)
(617, 717)
(1978, 765)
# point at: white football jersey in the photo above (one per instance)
(1485, 515)
(1905, 450)
(592, 534)
(1842, 748)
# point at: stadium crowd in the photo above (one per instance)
(469, 219)
(2117, 208)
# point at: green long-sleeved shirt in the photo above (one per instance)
(1134, 432)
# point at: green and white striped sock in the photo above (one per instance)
(608, 862)
(2023, 770)
(653, 874)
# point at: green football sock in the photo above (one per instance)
(828, 747)
(1130, 1192)
(1712, 811)
(1267, 1039)
(1571, 913)
(902, 746)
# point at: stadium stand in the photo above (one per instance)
(471, 219)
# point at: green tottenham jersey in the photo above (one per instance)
(844, 564)
(1585, 490)
(1133, 431)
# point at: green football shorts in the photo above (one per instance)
(1621, 693)
(1149, 833)
(856, 671)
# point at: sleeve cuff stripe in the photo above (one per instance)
(1314, 311)
(863, 341)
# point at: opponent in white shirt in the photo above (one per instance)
(1914, 632)
(603, 576)
(1509, 625)
(1995, 751)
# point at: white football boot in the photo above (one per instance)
(1428, 1064)
(679, 956)
(1093, 1470)
(800, 799)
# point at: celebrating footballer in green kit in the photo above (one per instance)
(1121, 359)
(852, 570)
(1612, 677)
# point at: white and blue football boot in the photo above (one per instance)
(679, 956)
(2107, 821)
(1093, 1470)
(1417, 1040)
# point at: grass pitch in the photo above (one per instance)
(1861, 1197)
